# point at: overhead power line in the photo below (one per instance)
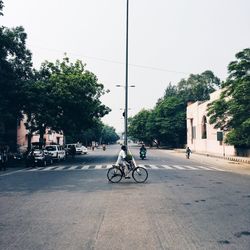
(117, 62)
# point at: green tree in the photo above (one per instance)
(232, 111)
(1, 7)
(198, 86)
(171, 90)
(137, 128)
(67, 98)
(86, 136)
(15, 70)
(170, 122)
(108, 135)
(166, 123)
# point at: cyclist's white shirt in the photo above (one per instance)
(121, 157)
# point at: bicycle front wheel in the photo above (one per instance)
(114, 174)
(140, 174)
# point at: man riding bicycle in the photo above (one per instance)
(124, 165)
(121, 160)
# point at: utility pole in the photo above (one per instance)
(126, 82)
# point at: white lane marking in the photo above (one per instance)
(84, 167)
(142, 166)
(154, 167)
(47, 168)
(166, 167)
(203, 167)
(72, 168)
(35, 169)
(178, 167)
(98, 167)
(217, 169)
(191, 168)
(14, 172)
(59, 168)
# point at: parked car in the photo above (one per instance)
(80, 149)
(39, 157)
(57, 151)
(84, 150)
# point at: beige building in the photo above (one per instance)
(201, 136)
(50, 137)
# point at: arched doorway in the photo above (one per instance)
(204, 128)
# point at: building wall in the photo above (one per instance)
(50, 137)
(196, 114)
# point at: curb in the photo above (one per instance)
(230, 158)
(11, 171)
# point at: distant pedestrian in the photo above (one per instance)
(188, 152)
(73, 151)
(3, 158)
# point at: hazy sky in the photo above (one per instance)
(168, 40)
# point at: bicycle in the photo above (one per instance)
(116, 173)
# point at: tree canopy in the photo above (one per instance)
(15, 69)
(1, 8)
(137, 128)
(198, 87)
(64, 96)
(108, 135)
(98, 132)
(232, 111)
(166, 123)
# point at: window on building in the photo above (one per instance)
(204, 128)
(194, 132)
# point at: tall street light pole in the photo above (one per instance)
(126, 83)
(126, 105)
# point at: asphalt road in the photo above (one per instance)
(183, 205)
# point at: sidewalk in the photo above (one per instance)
(11, 168)
(230, 158)
(233, 164)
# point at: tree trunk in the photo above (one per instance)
(41, 139)
(29, 137)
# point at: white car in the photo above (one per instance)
(80, 149)
(57, 151)
(84, 150)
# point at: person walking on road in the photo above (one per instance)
(3, 158)
(73, 151)
(188, 152)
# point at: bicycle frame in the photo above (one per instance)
(118, 172)
(130, 167)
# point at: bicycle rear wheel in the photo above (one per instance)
(140, 174)
(114, 174)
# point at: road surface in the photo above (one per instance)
(71, 205)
